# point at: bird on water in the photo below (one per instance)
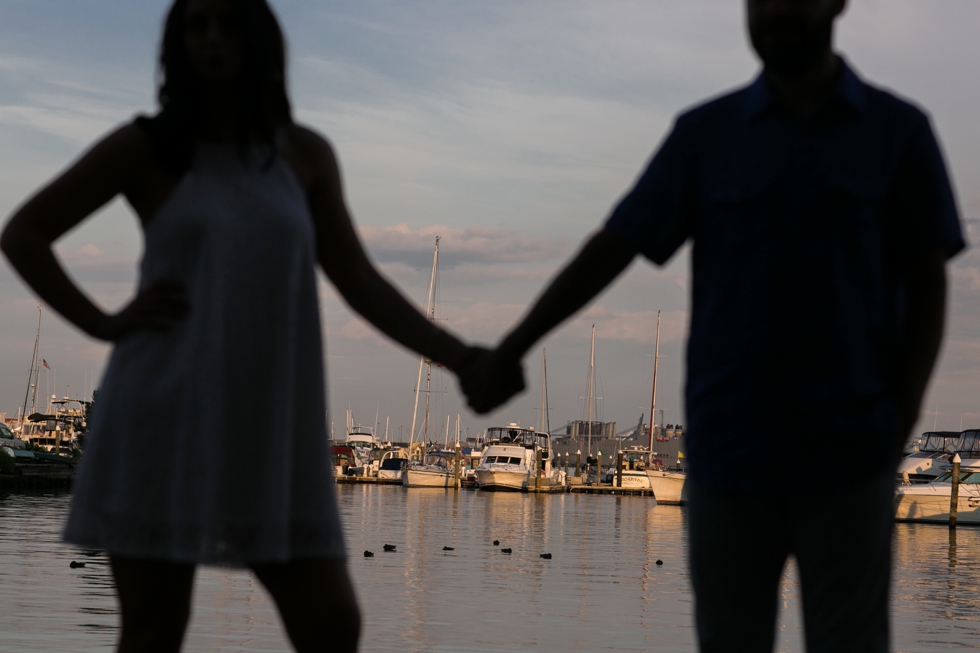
(546, 556)
(76, 565)
(369, 554)
(507, 550)
(389, 548)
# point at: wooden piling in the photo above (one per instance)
(954, 493)
(537, 470)
(619, 469)
(578, 462)
(458, 461)
(598, 468)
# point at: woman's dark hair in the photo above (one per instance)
(262, 102)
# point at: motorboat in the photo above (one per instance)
(930, 502)
(392, 468)
(925, 464)
(436, 469)
(669, 486)
(509, 462)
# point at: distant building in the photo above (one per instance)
(580, 429)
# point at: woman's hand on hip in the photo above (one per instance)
(161, 307)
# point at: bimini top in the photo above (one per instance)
(515, 435)
(939, 441)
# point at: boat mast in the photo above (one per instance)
(653, 399)
(591, 390)
(30, 376)
(430, 313)
(545, 419)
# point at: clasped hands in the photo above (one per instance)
(489, 378)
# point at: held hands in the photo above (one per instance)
(160, 307)
(490, 378)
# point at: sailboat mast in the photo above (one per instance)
(30, 376)
(544, 393)
(653, 399)
(430, 312)
(591, 391)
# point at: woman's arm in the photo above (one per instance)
(346, 264)
(109, 168)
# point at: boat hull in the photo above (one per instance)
(427, 478)
(501, 481)
(930, 503)
(633, 480)
(668, 487)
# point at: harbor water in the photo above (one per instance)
(600, 591)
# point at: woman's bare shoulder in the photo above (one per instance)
(310, 153)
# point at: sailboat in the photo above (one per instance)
(426, 469)
(668, 483)
(436, 469)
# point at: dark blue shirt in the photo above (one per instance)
(802, 231)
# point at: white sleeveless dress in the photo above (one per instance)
(208, 443)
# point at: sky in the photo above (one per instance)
(510, 130)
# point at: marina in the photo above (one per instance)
(600, 591)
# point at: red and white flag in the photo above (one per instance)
(45, 363)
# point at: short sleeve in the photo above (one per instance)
(923, 196)
(655, 216)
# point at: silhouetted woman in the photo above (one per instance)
(208, 445)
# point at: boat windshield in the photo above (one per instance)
(5, 432)
(503, 460)
(966, 476)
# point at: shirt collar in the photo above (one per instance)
(848, 89)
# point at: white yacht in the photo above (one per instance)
(929, 502)
(926, 464)
(510, 459)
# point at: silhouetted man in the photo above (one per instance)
(821, 217)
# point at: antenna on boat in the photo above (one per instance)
(653, 399)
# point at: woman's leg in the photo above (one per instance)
(155, 599)
(316, 601)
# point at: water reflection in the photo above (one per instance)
(601, 591)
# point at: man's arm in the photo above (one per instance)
(599, 262)
(926, 313)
